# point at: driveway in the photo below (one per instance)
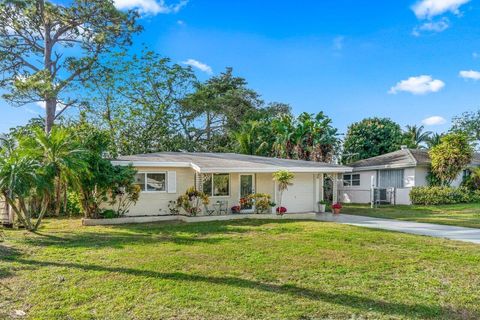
(425, 229)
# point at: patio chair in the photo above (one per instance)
(208, 211)
(222, 206)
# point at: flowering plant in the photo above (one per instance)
(281, 210)
(235, 209)
(337, 205)
(246, 202)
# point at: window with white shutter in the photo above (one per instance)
(172, 182)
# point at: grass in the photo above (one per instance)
(463, 215)
(235, 270)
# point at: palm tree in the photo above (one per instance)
(252, 138)
(284, 180)
(60, 157)
(434, 140)
(24, 183)
(416, 137)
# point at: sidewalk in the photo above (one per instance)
(425, 229)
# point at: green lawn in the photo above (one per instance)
(236, 270)
(464, 215)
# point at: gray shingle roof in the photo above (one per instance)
(401, 159)
(228, 162)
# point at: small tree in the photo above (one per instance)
(450, 157)
(284, 180)
(104, 183)
(26, 187)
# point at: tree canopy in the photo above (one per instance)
(371, 137)
(469, 124)
(45, 47)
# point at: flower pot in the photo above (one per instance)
(336, 211)
(321, 208)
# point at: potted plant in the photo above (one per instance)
(235, 209)
(281, 211)
(336, 208)
(322, 205)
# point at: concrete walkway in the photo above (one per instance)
(425, 229)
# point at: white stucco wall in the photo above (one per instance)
(155, 203)
(409, 177)
(300, 197)
(421, 176)
(357, 194)
(361, 194)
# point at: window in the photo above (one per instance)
(350, 180)
(216, 184)
(390, 178)
(151, 181)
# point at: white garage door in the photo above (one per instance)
(299, 197)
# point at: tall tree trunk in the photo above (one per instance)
(50, 101)
(58, 196)
(50, 109)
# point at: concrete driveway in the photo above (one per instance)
(425, 229)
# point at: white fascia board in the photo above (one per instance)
(271, 170)
(393, 166)
(229, 170)
(152, 164)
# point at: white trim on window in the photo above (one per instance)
(350, 178)
(212, 187)
(154, 191)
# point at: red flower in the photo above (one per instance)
(281, 210)
(337, 205)
(235, 209)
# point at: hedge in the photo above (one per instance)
(443, 195)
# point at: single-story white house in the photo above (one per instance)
(394, 174)
(225, 177)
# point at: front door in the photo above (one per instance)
(247, 187)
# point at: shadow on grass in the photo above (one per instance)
(152, 233)
(343, 299)
(7, 253)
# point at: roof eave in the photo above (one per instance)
(388, 166)
(151, 164)
(275, 169)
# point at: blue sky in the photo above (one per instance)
(410, 61)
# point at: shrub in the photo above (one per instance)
(442, 195)
(262, 202)
(192, 199)
(109, 214)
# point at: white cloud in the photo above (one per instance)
(427, 9)
(469, 74)
(149, 6)
(40, 104)
(199, 65)
(338, 43)
(434, 121)
(432, 26)
(418, 85)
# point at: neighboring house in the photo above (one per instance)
(393, 174)
(226, 177)
(5, 214)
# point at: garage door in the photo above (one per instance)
(299, 197)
